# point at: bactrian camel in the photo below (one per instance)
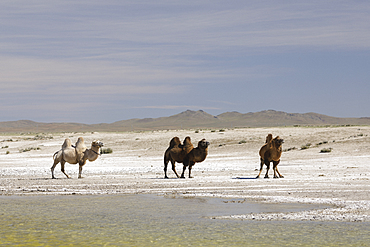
(271, 152)
(176, 152)
(75, 154)
(196, 155)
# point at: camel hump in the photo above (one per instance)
(80, 144)
(187, 142)
(175, 142)
(67, 143)
(187, 146)
(80, 140)
(268, 138)
(80, 148)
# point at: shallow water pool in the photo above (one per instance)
(149, 220)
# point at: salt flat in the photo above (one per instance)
(339, 179)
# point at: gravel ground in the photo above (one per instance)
(339, 179)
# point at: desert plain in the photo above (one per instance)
(321, 165)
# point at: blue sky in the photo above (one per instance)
(93, 61)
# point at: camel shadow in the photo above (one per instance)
(243, 178)
(46, 179)
(186, 178)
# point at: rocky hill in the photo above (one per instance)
(189, 120)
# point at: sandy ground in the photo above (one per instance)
(339, 179)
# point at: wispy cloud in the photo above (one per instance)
(156, 51)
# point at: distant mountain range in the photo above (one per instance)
(189, 120)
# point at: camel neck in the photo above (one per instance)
(95, 151)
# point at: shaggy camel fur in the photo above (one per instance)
(271, 152)
(196, 155)
(74, 155)
(176, 152)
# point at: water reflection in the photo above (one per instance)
(142, 220)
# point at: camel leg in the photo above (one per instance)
(281, 176)
(276, 170)
(81, 164)
(174, 168)
(190, 166)
(185, 163)
(267, 163)
(53, 167)
(80, 171)
(183, 171)
(62, 162)
(165, 167)
(260, 168)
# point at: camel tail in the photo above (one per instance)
(165, 158)
(56, 153)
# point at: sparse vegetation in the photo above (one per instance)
(8, 140)
(289, 149)
(40, 137)
(5, 147)
(326, 150)
(106, 151)
(307, 146)
(320, 143)
(7, 152)
(28, 149)
(242, 141)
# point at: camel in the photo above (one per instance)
(73, 155)
(176, 152)
(196, 155)
(271, 152)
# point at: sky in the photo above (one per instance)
(92, 61)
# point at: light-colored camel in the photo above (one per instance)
(73, 155)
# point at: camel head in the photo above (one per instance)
(278, 141)
(97, 144)
(203, 144)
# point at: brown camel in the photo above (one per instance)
(176, 152)
(196, 155)
(74, 155)
(271, 152)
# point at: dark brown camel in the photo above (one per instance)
(176, 152)
(196, 155)
(271, 152)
